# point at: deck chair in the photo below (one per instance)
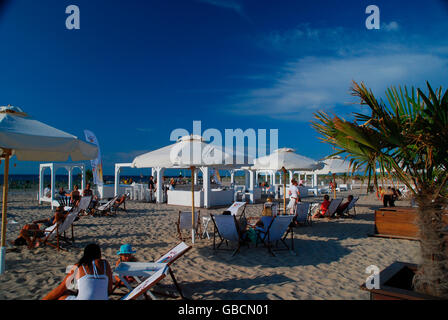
(155, 275)
(352, 205)
(227, 228)
(58, 231)
(117, 205)
(84, 204)
(302, 213)
(334, 204)
(278, 230)
(184, 222)
(233, 209)
(106, 207)
(140, 269)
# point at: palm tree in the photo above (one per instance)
(407, 139)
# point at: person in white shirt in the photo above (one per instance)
(47, 191)
(294, 196)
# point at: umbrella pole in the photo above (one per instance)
(284, 191)
(7, 154)
(334, 186)
(192, 204)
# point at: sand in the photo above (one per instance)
(330, 261)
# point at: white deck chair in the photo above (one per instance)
(104, 208)
(278, 230)
(58, 230)
(334, 204)
(226, 226)
(303, 213)
(184, 223)
(141, 269)
(234, 208)
(158, 272)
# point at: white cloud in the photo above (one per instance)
(319, 83)
(392, 26)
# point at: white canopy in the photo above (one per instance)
(186, 152)
(32, 140)
(334, 165)
(285, 158)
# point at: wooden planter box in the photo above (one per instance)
(397, 222)
(396, 284)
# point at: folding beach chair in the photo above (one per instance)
(334, 204)
(352, 205)
(302, 213)
(227, 228)
(155, 275)
(233, 209)
(106, 207)
(84, 204)
(117, 205)
(278, 230)
(140, 269)
(184, 223)
(58, 231)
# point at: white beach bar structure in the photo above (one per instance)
(286, 161)
(54, 167)
(170, 157)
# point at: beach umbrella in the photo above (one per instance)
(188, 152)
(332, 166)
(283, 160)
(32, 140)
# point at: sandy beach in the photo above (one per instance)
(330, 261)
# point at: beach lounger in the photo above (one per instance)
(302, 213)
(352, 205)
(227, 228)
(140, 269)
(234, 208)
(278, 230)
(334, 204)
(58, 230)
(184, 223)
(106, 207)
(155, 275)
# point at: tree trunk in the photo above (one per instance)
(432, 276)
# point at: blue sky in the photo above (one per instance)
(136, 70)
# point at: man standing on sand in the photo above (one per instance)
(294, 196)
(151, 187)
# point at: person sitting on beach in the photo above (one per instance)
(29, 235)
(32, 232)
(126, 254)
(87, 191)
(340, 210)
(59, 216)
(320, 212)
(62, 192)
(47, 191)
(75, 196)
(91, 276)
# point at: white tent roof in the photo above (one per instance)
(285, 158)
(186, 152)
(32, 140)
(334, 165)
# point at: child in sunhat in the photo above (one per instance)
(125, 255)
